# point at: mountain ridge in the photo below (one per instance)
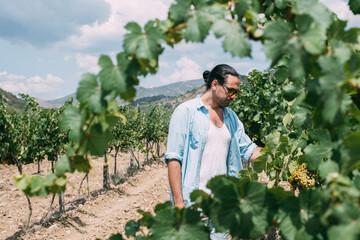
(171, 95)
(168, 91)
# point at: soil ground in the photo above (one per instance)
(98, 215)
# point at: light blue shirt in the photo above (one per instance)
(188, 130)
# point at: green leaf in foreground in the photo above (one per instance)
(173, 224)
(89, 93)
(179, 11)
(62, 166)
(73, 120)
(328, 167)
(131, 228)
(298, 216)
(144, 44)
(348, 216)
(244, 208)
(315, 155)
(321, 14)
(111, 76)
(278, 35)
(98, 140)
(234, 41)
(351, 153)
(117, 236)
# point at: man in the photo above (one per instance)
(206, 138)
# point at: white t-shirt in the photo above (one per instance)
(213, 161)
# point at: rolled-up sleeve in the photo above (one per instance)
(246, 146)
(177, 135)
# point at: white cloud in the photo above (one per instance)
(34, 85)
(189, 70)
(110, 33)
(4, 76)
(174, 77)
(163, 65)
(87, 62)
(68, 58)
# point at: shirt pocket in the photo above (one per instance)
(194, 138)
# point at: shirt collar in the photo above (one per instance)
(200, 105)
(199, 102)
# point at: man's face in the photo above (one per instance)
(222, 92)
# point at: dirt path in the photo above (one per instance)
(98, 216)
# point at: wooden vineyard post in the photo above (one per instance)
(61, 203)
(106, 184)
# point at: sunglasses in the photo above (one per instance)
(231, 91)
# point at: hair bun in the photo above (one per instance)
(206, 75)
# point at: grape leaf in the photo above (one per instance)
(98, 140)
(241, 7)
(240, 206)
(123, 76)
(89, 93)
(234, 41)
(131, 228)
(111, 76)
(298, 61)
(351, 152)
(179, 11)
(80, 163)
(72, 119)
(336, 29)
(62, 166)
(298, 216)
(348, 216)
(174, 224)
(320, 135)
(22, 182)
(310, 34)
(321, 15)
(277, 35)
(145, 44)
(198, 27)
(341, 51)
(328, 167)
(200, 21)
(336, 102)
(315, 154)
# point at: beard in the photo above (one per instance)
(225, 103)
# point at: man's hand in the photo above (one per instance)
(174, 170)
(256, 153)
(180, 205)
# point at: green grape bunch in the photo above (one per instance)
(301, 178)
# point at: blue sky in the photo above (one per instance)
(45, 46)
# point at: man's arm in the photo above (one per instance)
(174, 171)
(256, 153)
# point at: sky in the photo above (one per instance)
(46, 46)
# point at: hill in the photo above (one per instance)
(148, 95)
(14, 103)
(171, 95)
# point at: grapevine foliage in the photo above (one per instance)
(315, 90)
